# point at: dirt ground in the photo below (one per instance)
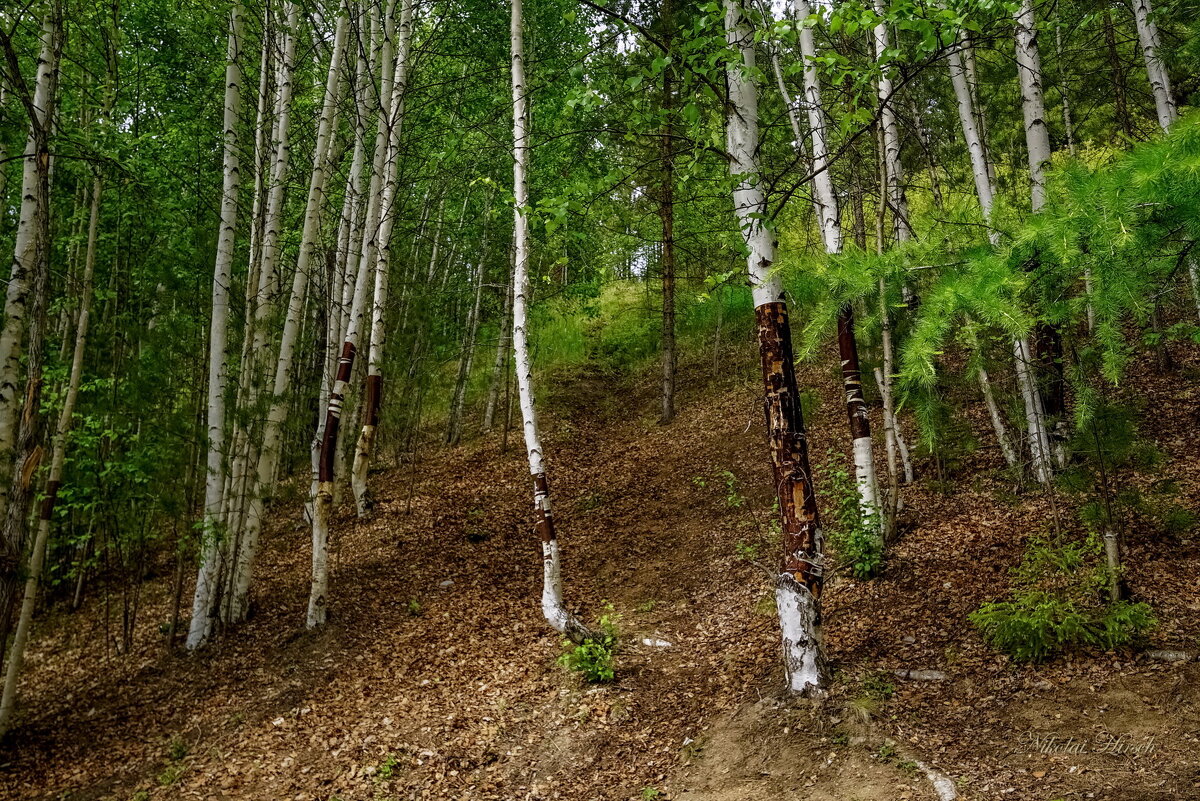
(436, 677)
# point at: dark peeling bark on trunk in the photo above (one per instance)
(334, 414)
(856, 404)
(788, 446)
(374, 400)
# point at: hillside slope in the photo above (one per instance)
(436, 677)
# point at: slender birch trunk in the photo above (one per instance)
(1037, 143)
(204, 602)
(1160, 81)
(379, 228)
(666, 214)
(394, 116)
(1068, 119)
(459, 400)
(1038, 444)
(553, 608)
(891, 135)
(306, 260)
(499, 373)
(801, 578)
(37, 555)
(989, 399)
(825, 202)
(26, 251)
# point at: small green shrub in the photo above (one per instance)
(1058, 603)
(854, 536)
(878, 685)
(595, 659)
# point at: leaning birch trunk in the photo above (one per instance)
(379, 230)
(393, 114)
(989, 399)
(983, 188)
(17, 297)
(271, 437)
(204, 602)
(498, 364)
(801, 578)
(1160, 81)
(831, 233)
(37, 556)
(553, 608)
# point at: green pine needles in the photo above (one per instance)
(1057, 605)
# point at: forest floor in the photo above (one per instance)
(436, 677)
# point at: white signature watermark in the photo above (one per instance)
(1102, 743)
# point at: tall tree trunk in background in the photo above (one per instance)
(1120, 90)
(896, 196)
(57, 460)
(34, 176)
(246, 433)
(1164, 101)
(553, 608)
(205, 600)
(1037, 144)
(801, 578)
(379, 231)
(269, 451)
(666, 213)
(354, 221)
(459, 400)
(827, 217)
(1160, 81)
(1068, 119)
(500, 363)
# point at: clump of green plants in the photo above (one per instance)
(387, 768)
(595, 659)
(1059, 602)
(854, 536)
(878, 685)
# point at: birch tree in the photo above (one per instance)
(801, 577)
(205, 603)
(553, 608)
(825, 202)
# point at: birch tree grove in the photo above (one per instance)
(266, 338)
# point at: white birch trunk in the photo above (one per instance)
(989, 399)
(498, 364)
(394, 116)
(831, 233)
(891, 135)
(211, 549)
(37, 555)
(16, 300)
(797, 606)
(1033, 104)
(308, 257)
(1039, 440)
(1160, 82)
(553, 608)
